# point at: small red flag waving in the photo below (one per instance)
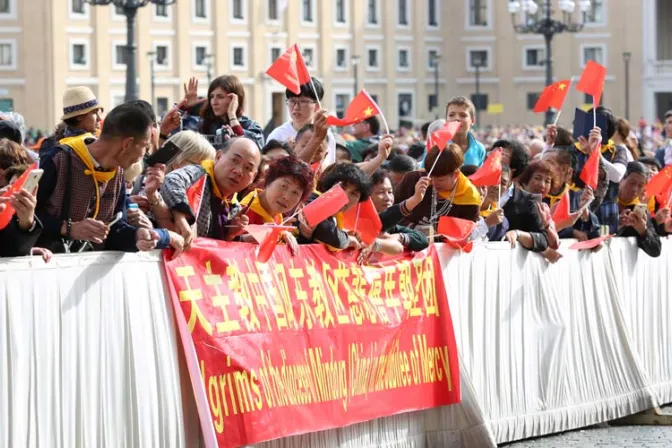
(592, 81)
(456, 232)
(660, 183)
(363, 220)
(267, 237)
(443, 135)
(328, 204)
(490, 173)
(361, 108)
(591, 170)
(562, 210)
(552, 96)
(7, 213)
(290, 69)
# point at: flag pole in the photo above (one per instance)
(315, 92)
(382, 115)
(359, 207)
(594, 113)
(434, 164)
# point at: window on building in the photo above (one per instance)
(480, 101)
(162, 55)
(593, 54)
(372, 58)
(478, 12)
(432, 103)
(161, 10)
(374, 98)
(5, 7)
(342, 101)
(405, 104)
(341, 12)
(6, 105)
(237, 11)
(402, 18)
(200, 9)
(307, 10)
(76, 5)
(595, 13)
(432, 13)
(118, 10)
(588, 99)
(372, 12)
(238, 57)
(6, 55)
(200, 55)
(161, 106)
(79, 54)
(273, 10)
(534, 57)
(120, 55)
(532, 99)
(478, 58)
(309, 57)
(341, 58)
(275, 53)
(432, 58)
(403, 61)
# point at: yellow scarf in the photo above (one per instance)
(257, 208)
(77, 144)
(635, 201)
(651, 205)
(209, 167)
(610, 146)
(488, 212)
(465, 194)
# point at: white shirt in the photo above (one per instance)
(286, 132)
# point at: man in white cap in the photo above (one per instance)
(81, 115)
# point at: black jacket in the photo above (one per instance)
(16, 242)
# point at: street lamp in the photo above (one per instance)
(626, 59)
(130, 8)
(434, 62)
(355, 64)
(151, 55)
(478, 63)
(535, 17)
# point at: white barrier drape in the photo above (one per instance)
(89, 353)
(89, 356)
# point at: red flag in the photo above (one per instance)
(328, 204)
(290, 69)
(361, 108)
(591, 170)
(443, 135)
(660, 183)
(589, 244)
(315, 167)
(562, 210)
(592, 81)
(552, 96)
(267, 237)
(363, 220)
(456, 232)
(195, 195)
(7, 213)
(490, 173)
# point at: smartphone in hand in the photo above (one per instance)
(166, 154)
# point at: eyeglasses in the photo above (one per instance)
(302, 103)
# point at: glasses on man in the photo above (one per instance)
(302, 103)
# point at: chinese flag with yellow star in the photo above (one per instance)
(660, 183)
(290, 70)
(361, 108)
(552, 96)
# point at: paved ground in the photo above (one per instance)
(602, 437)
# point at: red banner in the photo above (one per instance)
(311, 342)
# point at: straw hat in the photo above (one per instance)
(79, 101)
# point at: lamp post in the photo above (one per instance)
(626, 60)
(529, 18)
(355, 65)
(130, 8)
(478, 63)
(151, 55)
(435, 64)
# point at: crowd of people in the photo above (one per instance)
(99, 191)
